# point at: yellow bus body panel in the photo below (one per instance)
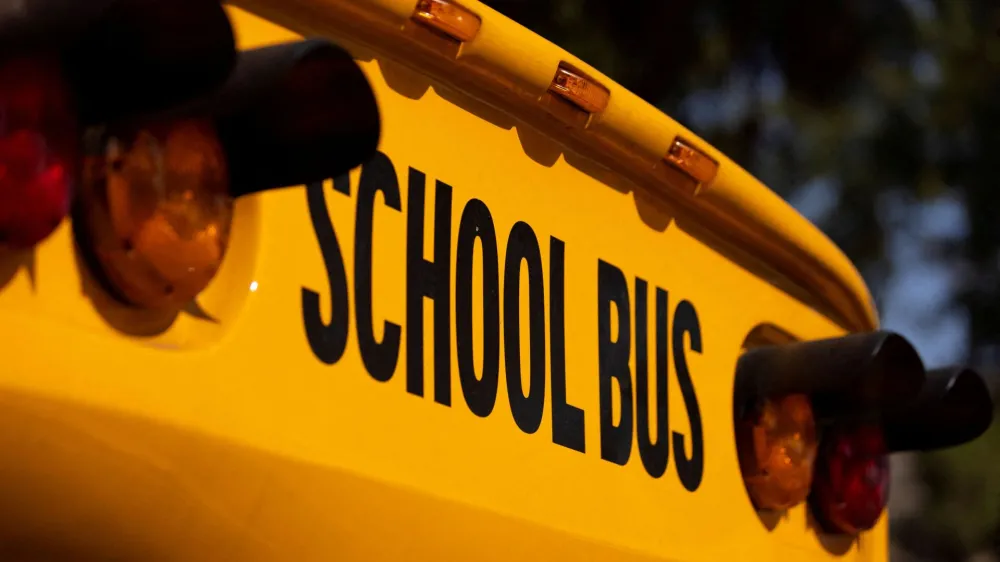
(218, 434)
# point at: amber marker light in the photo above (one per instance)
(449, 18)
(777, 446)
(693, 162)
(579, 90)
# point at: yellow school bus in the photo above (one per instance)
(446, 293)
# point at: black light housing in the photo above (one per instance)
(954, 407)
(125, 57)
(854, 376)
(289, 114)
(294, 113)
(67, 66)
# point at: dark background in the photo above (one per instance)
(879, 120)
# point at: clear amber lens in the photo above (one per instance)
(693, 162)
(777, 448)
(579, 90)
(449, 18)
(157, 211)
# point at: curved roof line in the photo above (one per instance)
(509, 67)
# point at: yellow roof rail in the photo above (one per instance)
(512, 69)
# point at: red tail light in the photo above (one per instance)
(855, 377)
(38, 150)
(851, 483)
(786, 393)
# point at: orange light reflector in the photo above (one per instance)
(777, 447)
(156, 211)
(579, 90)
(449, 18)
(693, 162)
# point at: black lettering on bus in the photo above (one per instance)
(522, 246)
(567, 419)
(328, 341)
(691, 468)
(431, 279)
(428, 279)
(654, 453)
(379, 358)
(613, 354)
(480, 391)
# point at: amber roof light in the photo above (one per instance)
(448, 18)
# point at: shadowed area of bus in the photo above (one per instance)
(126, 319)
(13, 262)
(476, 107)
(93, 484)
(654, 210)
(538, 147)
(33, 549)
(402, 80)
(769, 519)
(837, 545)
(195, 309)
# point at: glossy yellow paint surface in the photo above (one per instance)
(217, 434)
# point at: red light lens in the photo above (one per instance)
(851, 484)
(38, 150)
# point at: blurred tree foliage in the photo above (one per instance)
(866, 112)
